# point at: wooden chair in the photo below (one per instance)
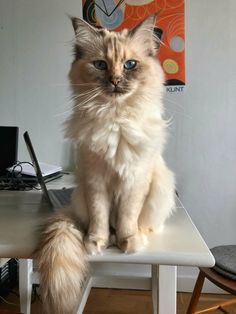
(219, 280)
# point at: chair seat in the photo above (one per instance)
(221, 275)
(225, 260)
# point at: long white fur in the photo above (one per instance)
(122, 180)
(61, 261)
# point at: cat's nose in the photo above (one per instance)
(115, 81)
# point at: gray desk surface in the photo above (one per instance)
(21, 212)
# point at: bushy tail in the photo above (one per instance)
(62, 264)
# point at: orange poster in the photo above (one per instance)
(118, 14)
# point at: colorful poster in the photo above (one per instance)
(118, 14)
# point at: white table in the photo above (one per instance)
(179, 244)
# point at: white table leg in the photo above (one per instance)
(167, 289)
(85, 295)
(25, 284)
(155, 288)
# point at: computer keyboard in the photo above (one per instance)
(61, 197)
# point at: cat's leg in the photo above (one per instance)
(79, 206)
(98, 202)
(129, 237)
(160, 201)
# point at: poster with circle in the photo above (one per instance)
(118, 14)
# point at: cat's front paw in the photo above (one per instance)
(133, 243)
(95, 245)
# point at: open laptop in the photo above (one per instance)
(56, 198)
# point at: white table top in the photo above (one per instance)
(21, 212)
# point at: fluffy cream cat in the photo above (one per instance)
(123, 183)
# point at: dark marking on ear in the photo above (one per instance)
(77, 52)
(148, 34)
(158, 32)
(74, 23)
(79, 23)
(148, 22)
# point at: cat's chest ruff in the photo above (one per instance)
(112, 135)
(120, 137)
(117, 141)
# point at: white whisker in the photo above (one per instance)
(90, 92)
(178, 105)
(74, 99)
(82, 105)
(78, 84)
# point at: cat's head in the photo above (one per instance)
(114, 64)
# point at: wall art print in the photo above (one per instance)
(118, 14)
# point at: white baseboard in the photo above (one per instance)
(184, 284)
(122, 282)
(138, 277)
(187, 283)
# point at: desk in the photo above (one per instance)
(179, 244)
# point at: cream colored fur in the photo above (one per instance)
(122, 180)
(61, 260)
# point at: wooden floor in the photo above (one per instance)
(114, 301)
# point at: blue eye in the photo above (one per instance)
(130, 64)
(100, 65)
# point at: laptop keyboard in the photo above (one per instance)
(61, 198)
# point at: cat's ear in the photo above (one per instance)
(84, 32)
(144, 35)
(87, 38)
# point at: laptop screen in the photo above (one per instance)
(8, 147)
(36, 166)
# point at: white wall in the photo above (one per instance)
(204, 137)
(202, 146)
(35, 56)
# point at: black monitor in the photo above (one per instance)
(8, 147)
